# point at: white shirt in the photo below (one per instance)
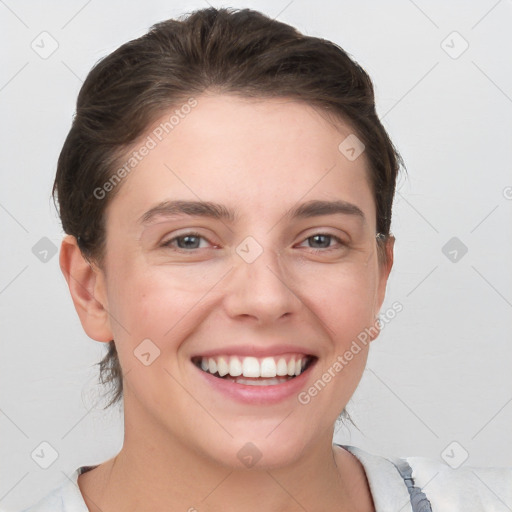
(465, 489)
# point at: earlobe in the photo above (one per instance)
(87, 287)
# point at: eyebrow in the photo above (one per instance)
(313, 208)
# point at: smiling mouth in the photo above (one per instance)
(253, 371)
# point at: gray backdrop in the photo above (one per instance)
(438, 381)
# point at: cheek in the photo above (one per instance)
(342, 296)
(166, 303)
(155, 303)
(344, 306)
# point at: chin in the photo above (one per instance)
(264, 452)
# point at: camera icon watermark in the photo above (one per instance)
(44, 250)
(454, 249)
(455, 455)
(249, 249)
(351, 147)
(249, 455)
(44, 455)
(45, 45)
(454, 45)
(146, 352)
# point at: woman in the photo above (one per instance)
(226, 189)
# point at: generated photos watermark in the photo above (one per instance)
(342, 360)
(151, 142)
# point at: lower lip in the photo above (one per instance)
(257, 394)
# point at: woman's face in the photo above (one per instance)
(278, 271)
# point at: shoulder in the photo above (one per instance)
(424, 484)
(64, 498)
(472, 489)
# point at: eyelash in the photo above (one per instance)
(168, 243)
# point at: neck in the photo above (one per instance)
(157, 472)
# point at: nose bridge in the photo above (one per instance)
(259, 283)
(260, 266)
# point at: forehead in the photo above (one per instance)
(256, 155)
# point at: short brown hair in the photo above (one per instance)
(230, 51)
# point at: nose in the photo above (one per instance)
(260, 290)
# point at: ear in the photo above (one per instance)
(385, 267)
(87, 286)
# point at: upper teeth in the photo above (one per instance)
(254, 367)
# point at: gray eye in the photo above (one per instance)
(320, 241)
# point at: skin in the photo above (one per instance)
(260, 158)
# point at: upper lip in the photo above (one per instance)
(249, 350)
